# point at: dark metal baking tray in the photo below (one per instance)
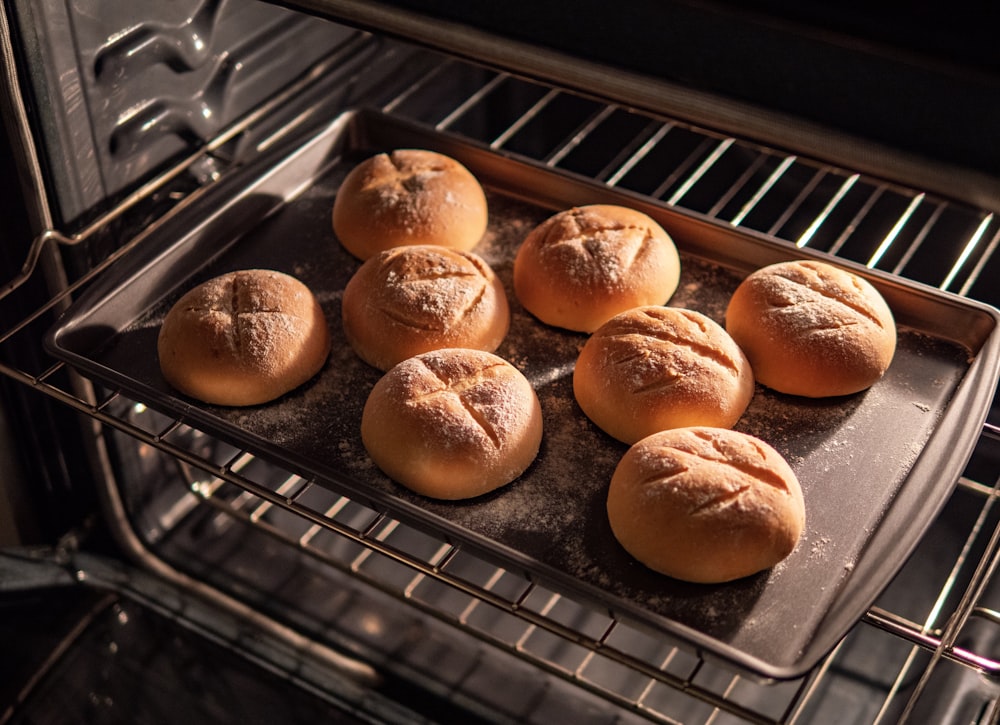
(875, 467)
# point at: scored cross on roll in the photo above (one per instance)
(582, 266)
(243, 338)
(413, 299)
(409, 196)
(452, 423)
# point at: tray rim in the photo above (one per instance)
(984, 369)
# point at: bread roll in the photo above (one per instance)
(583, 266)
(244, 338)
(409, 196)
(705, 504)
(653, 368)
(409, 300)
(453, 423)
(812, 329)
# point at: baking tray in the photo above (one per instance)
(875, 467)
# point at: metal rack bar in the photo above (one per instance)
(918, 241)
(799, 199)
(741, 182)
(585, 130)
(988, 253)
(720, 148)
(775, 176)
(524, 119)
(890, 238)
(639, 154)
(471, 101)
(967, 251)
(681, 172)
(863, 212)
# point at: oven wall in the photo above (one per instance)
(118, 90)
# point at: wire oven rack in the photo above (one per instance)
(328, 544)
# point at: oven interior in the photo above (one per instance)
(208, 565)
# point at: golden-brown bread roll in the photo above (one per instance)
(409, 196)
(653, 368)
(581, 267)
(453, 423)
(243, 338)
(812, 329)
(409, 300)
(705, 504)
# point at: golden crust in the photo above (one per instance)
(705, 505)
(409, 196)
(452, 423)
(812, 329)
(409, 300)
(581, 267)
(653, 368)
(243, 338)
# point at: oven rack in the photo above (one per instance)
(440, 580)
(733, 180)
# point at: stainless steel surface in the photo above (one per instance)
(337, 573)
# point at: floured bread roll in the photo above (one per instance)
(705, 504)
(453, 423)
(244, 338)
(812, 329)
(409, 300)
(409, 196)
(653, 368)
(581, 267)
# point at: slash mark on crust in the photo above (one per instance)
(458, 389)
(820, 289)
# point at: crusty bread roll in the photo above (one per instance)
(452, 423)
(705, 505)
(244, 338)
(581, 267)
(409, 300)
(812, 329)
(409, 196)
(653, 368)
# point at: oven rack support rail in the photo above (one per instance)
(763, 176)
